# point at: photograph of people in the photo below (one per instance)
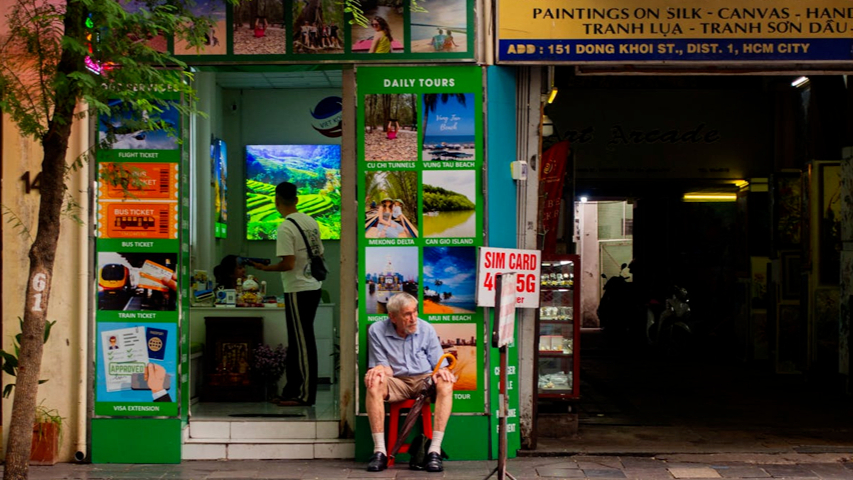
(449, 279)
(449, 204)
(388, 271)
(391, 204)
(442, 27)
(214, 39)
(391, 127)
(448, 126)
(316, 26)
(259, 28)
(384, 33)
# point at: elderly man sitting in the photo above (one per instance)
(403, 351)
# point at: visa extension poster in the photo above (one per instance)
(137, 263)
(420, 163)
(137, 369)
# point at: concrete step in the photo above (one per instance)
(264, 440)
(267, 449)
(284, 430)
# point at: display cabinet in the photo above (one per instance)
(558, 327)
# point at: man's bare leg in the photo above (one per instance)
(443, 407)
(375, 405)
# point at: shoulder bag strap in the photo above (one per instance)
(304, 238)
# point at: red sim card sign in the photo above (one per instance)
(503, 331)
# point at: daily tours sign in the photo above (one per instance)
(658, 31)
(420, 137)
(525, 265)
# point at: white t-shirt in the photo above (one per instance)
(289, 242)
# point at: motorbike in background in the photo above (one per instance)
(668, 324)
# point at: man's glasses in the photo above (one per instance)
(374, 24)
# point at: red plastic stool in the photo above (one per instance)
(393, 428)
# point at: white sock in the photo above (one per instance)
(379, 443)
(435, 444)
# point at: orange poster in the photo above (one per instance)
(122, 181)
(137, 220)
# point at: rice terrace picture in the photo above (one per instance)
(316, 171)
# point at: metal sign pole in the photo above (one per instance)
(503, 401)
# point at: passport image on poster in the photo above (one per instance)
(156, 338)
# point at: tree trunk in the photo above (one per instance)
(386, 110)
(42, 256)
(414, 111)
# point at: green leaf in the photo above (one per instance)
(8, 390)
(47, 327)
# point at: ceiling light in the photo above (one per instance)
(552, 95)
(710, 197)
(800, 82)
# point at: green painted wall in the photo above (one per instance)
(118, 440)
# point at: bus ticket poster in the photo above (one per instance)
(657, 31)
(137, 220)
(143, 181)
(137, 375)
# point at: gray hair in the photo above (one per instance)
(400, 301)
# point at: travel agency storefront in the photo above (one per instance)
(318, 109)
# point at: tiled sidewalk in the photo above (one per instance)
(664, 467)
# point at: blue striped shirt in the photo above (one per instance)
(414, 355)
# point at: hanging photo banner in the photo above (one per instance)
(658, 31)
(420, 133)
(300, 31)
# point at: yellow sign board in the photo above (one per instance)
(656, 30)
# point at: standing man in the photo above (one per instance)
(302, 296)
(403, 350)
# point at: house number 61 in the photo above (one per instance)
(39, 282)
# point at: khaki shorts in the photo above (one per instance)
(404, 388)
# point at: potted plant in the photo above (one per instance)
(47, 436)
(268, 364)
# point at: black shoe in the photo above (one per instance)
(433, 462)
(378, 462)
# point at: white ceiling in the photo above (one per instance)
(266, 80)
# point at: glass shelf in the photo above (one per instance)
(558, 362)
